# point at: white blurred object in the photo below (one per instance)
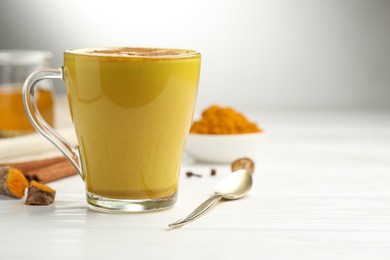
(223, 148)
(31, 147)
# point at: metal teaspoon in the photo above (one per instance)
(233, 186)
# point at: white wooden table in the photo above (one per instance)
(321, 191)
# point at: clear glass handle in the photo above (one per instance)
(70, 152)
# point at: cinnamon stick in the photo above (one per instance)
(46, 170)
(37, 164)
(52, 172)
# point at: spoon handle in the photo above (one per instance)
(199, 211)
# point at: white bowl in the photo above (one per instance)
(223, 148)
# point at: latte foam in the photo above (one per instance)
(134, 52)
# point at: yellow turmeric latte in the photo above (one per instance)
(132, 110)
(219, 120)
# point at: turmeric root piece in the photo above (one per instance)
(12, 182)
(40, 194)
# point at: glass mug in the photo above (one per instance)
(15, 66)
(132, 110)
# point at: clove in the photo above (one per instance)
(189, 174)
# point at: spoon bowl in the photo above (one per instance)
(235, 185)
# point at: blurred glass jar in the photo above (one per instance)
(15, 67)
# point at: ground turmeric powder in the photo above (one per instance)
(219, 120)
(12, 182)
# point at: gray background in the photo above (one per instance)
(256, 54)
